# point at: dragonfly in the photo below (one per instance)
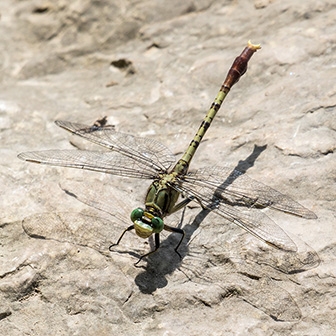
(228, 192)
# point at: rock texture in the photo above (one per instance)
(153, 68)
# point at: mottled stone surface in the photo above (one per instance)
(153, 68)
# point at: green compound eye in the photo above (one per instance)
(157, 224)
(136, 214)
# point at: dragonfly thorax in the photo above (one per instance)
(161, 197)
(160, 200)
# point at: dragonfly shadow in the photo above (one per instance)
(254, 267)
(288, 262)
(242, 167)
(161, 263)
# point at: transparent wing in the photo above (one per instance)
(129, 156)
(75, 228)
(250, 219)
(234, 187)
(258, 224)
(147, 151)
(237, 198)
(81, 229)
(106, 162)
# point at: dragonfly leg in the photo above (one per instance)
(157, 242)
(181, 205)
(184, 203)
(157, 245)
(177, 230)
(122, 235)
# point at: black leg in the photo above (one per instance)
(177, 230)
(157, 245)
(157, 240)
(122, 235)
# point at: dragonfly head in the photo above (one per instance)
(145, 223)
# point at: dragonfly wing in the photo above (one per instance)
(141, 149)
(249, 218)
(95, 195)
(106, 162)
(75, 228)
(234, 187)
(258, 224)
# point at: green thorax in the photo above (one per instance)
(161, 197)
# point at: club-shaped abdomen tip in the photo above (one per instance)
(253, 46)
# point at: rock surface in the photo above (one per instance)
(153, 68)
